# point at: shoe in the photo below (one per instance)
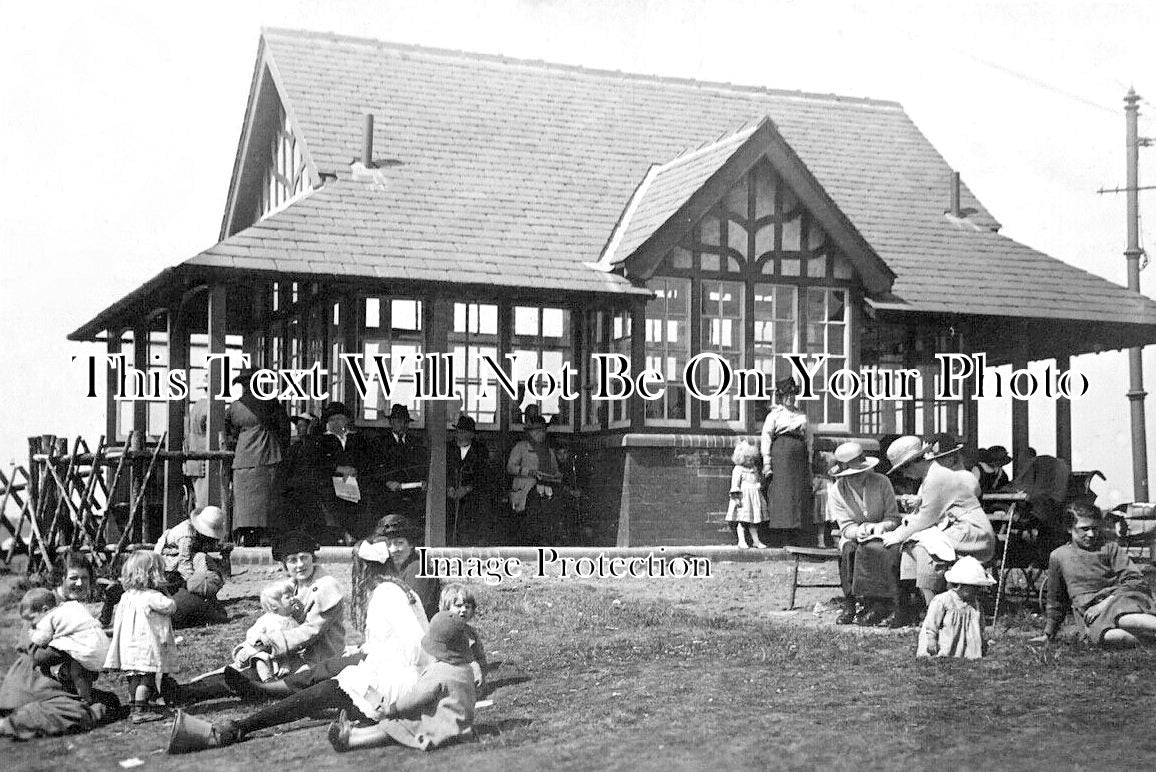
(144, 713)
(339, 732)
(847, 615)
(242, 686)
(895, 620)
(876, 614)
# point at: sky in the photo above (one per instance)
(119, 124)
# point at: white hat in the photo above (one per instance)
(209, 521)
(850, 459)
(968, 570)
(903, 451)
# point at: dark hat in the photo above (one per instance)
(335, 408)
(940, 445)
(467, 423)
(292, 543)
(997, 456)
(448, 639)
(396, 525)
(535, 422)
(399, 411)
(784, 387)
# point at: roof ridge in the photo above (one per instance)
(578, 69)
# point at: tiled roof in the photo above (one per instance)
(526, 167)
(664, 190)
(351, 228)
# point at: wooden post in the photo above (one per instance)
(140, 361)
(637, 405)
(177, 410)
(1063, 416)
(437, 341)
(970, 406)
(136, 472)
(112, 407)
(216, 422)
(1019, 426)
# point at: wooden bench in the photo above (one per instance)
(810, 555)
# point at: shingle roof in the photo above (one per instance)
(664, 190)
(526, 164)
(351, 228)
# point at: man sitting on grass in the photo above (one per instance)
(1094, 575)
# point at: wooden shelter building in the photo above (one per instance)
(506, 207)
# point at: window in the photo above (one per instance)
(668, 347)
(474, 335)
(621, 326)
(596, 340)
(285, 172)
(826, 327)
(392, 326)
(541, 341)
(722, 334)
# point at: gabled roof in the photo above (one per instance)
(675, 195)
(505, 172)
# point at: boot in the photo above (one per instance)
(339, 732)
(877, 611)
(847, 615)
(251, 690)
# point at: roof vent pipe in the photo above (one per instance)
(955, 210)
(367, 142)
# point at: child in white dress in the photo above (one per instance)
(747, 507)
(282, 612)
(142, 633)
(953, 626)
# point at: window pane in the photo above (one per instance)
(525, 320)
(406, 315)
(372, 312)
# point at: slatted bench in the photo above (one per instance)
(810, 555)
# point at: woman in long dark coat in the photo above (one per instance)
(787, 444)
(260, 430)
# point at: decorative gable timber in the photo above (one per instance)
(674, 196)
(267, 135)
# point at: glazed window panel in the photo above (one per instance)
(392, 326)
(541, 341)
(596, 340)
(827, 332)
(668, 347)
(723, 328)
(474, 335)
(776, 328)
(285, 174)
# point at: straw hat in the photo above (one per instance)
(209, 521)
(968, 570)
(903, 451)
(850, 459)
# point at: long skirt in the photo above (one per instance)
(789, 495)
(257, 496)
(870, 570)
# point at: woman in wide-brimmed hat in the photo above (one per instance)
(950, 521)
(862, 504)
(537, 477)
(788, 441)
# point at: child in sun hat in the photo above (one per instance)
(747, 507)
(438, 709)
(953, 626)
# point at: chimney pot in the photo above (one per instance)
(367, 142)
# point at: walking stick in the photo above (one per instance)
(457, 506)
(1011, 518)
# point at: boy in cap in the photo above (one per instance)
(438, 710)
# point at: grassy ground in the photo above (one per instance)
(702, 674)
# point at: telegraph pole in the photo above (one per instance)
(1132, 254)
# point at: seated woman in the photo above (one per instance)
(389, 551)
(535, 493)
(319, 637)
(950, 521)
(338, 452)
(40, 695)
(390, 662)
(862, 504)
